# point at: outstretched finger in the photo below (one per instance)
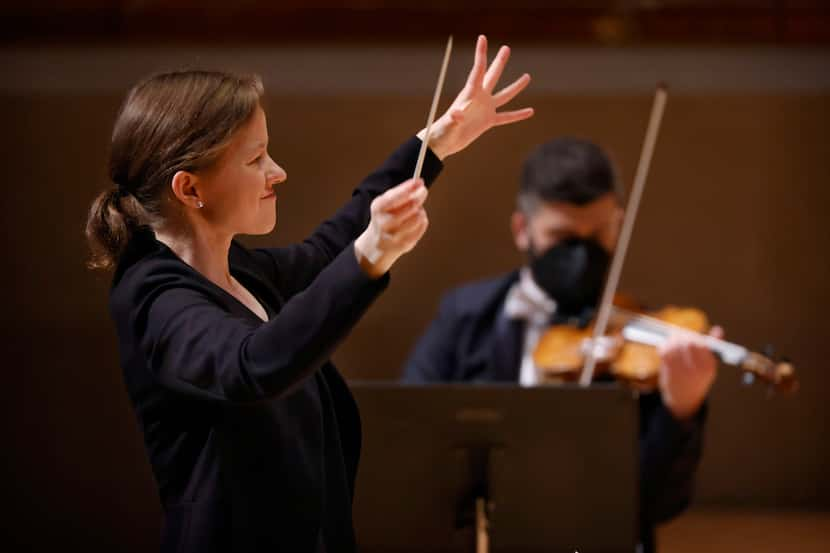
(496, 68)
(479, 63)
(507, 117)
(510, 91)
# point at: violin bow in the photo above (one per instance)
(604, 313)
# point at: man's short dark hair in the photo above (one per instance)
(566, 170)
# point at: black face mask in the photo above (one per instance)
(572, 273)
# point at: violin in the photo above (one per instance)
(628, 353)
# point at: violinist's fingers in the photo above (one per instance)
(507, 117)
(398, 196)
(496, 68)
(701, 357)
(479, 64)
(510, 91)
(677, 346)
(667, 348)
(688, 353)
(716, 332)
(693, 353)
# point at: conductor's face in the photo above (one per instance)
(239, 191)
(552, 223)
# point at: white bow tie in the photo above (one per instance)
(527, 301)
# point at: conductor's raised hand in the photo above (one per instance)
(398, 221)
(474, 110)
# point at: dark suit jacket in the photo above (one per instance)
(252, 434)
(460, 345)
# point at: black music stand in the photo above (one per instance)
(551, 469)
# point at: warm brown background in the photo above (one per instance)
(733, 221)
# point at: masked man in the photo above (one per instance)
(567, 222)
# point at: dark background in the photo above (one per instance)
(734, 218)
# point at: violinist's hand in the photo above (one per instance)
(687, 372)
(397, 222)
(474, 109)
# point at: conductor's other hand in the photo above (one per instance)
(397, 222)
(473, 111)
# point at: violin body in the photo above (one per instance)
(560, 353)
(629, 351)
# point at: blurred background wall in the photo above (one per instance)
(734, 218)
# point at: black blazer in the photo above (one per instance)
(252, 434)
(460, 345)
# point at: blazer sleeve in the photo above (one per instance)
(294, 267)
(434, 358)
(193, 346)
(670, 452)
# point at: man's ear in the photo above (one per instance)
(518, 225)
(619, 215)
(611, 237)
(185, 189)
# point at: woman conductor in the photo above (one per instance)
(252, 434)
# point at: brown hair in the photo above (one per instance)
(179, 121)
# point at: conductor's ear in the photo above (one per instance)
(185, 188)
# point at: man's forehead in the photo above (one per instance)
(562, 214)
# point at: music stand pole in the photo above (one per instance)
(482, 524)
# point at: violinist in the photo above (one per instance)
(566, 222)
